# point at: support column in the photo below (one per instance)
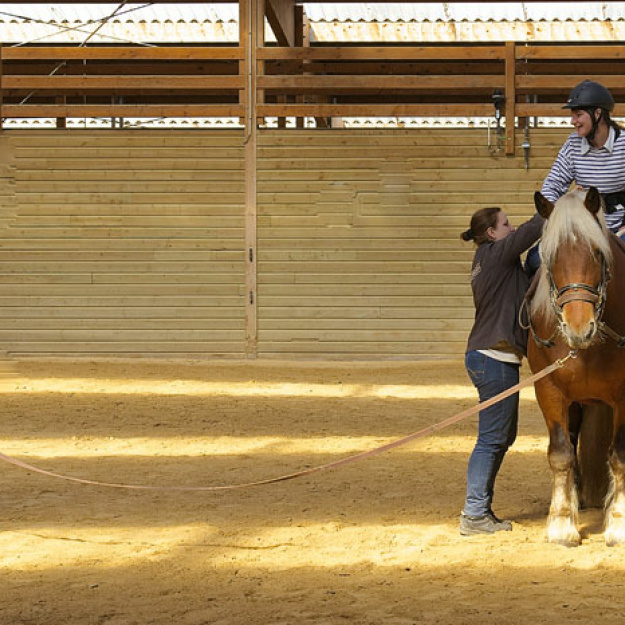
(248, 32)
(510, 96)
(1, 68)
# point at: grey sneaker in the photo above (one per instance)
(487, 524)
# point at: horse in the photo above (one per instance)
(578, 309)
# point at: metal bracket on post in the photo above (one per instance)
(498, 102)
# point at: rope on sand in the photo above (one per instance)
(324, 467)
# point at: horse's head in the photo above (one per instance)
(576, 256)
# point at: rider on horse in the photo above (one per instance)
(592, 156)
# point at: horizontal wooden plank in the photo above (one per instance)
(121, 53)
(161, 248)
(104, 138)
(123, 347)
(67, 335)
(372, 110)
(131, 210)
(368, 53)
(127, 111)
(568, 81)
(290, 83)
(226, 292)
(555, 110)
(126, 163)
(198, 223)
(138, 177)
(120, 314)
(285, 280)
(349, 325)
(169, 154)
(118, 301)
(355, 335)
(355, 301)
(423, 289)
(96, 277)
(234, 326)
(59, 83)
(372, 350)
(299, 313)
(572, 52)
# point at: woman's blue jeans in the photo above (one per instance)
(496, 431)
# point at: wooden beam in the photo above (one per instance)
(555, 83)
(2, 113)
(281, 17)
(538, 109)
(577, 51)
(248, 10)
(383, 53)
(121, 110)
(138, 53)
(132, 83)
(397, 83)
(380, 110)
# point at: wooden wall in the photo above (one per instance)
(125, 243)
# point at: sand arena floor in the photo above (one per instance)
(373, 543)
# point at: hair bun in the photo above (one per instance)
(468, 235)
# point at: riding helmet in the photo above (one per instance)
(590, 94)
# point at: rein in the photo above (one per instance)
(332, 465)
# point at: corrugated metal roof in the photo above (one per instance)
(328, 12)
(464, 11)
(337, 22)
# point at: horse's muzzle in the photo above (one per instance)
(579, 337)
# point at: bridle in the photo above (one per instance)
(578, 292)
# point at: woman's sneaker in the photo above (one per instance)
(486, 524)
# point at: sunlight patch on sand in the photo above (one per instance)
(95, 447)
(92, 386)
(319, 545)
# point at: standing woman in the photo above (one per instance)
(495, 348)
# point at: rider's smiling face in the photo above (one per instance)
(581, 121)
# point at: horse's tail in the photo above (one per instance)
(595, 437)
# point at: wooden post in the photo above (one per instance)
(258, 31)
(249, 35)
(301, 39)
(61, 122)
(1, 86)
(510, 96)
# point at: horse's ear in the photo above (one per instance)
(593, 200)
(543, 205)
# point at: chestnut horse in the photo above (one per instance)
(579, 307)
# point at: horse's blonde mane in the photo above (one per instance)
(570, 221)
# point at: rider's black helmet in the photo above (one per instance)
(588, 95)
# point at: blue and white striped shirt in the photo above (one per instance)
(603, 168)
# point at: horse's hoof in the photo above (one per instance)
(612, 539)
(566, 543)
(561, 531)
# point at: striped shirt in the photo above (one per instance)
(603, 168)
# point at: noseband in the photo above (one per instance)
(580, 292)
(577, 292)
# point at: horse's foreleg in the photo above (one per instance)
(615, 516)
(562, 527)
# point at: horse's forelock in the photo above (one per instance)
(571, 221)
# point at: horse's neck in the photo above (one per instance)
(616, 285)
